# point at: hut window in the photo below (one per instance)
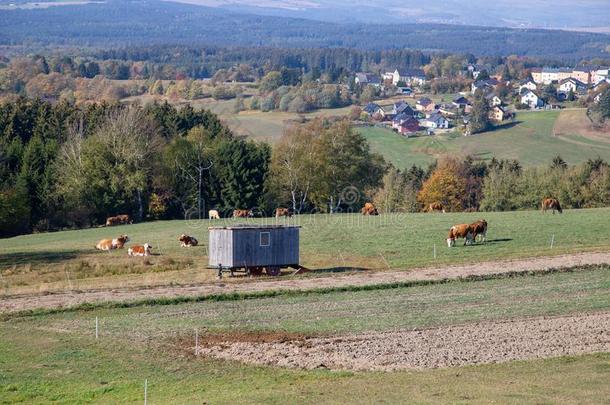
(265, 238)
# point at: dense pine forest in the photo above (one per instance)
(118, 23)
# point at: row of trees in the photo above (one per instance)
(495, 186)
(67, 166)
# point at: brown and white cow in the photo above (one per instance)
(282, 212)
(187, 241)
(213, 214)
(479, 228)
(139, 250)
(369, 209)
(551, 203)
(436, 207)
(242, 213)
(118, 220)
(109, 244)
(460, 231)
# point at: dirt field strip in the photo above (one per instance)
(67, 299)
(478, 343)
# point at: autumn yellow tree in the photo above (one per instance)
(446, 185)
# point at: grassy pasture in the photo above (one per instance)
(56, 358)
(329, 243)
(534, 139)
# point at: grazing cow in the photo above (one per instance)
(436, 207)
(242, 213)
(282, 212)
(369, 209)
(139, 250)
(551, 203)
(187, 241)
(119, 220)
(479, 228)
(213, 214)
(109, 244)
(460, 231)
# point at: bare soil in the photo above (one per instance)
(15, 303)
(449, 346)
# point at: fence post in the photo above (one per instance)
(96, 328)
(435, 251)
(196, 342)
(552, 241)
(145, 391)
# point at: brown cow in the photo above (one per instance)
(436, 207)
(118, 220)
(282, 212)
(369, 209)
(109, 244)
(139, 250)
(242, 213)
(551, 203)
(479, 228)
(187, 241)
(460, 231)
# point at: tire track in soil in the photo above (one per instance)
(66, 299)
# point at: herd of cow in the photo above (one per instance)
(468, 232)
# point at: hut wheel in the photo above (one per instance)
(255, 271)
(273, 270)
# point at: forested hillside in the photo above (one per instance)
(114, 23)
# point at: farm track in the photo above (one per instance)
(17, 303)
(447, 346)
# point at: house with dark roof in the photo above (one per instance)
(411, 77)
(372, 108)
(434, 121)
(409, 127)
(532, 100)
(498, 114)
(461, 102)
(486, 85)
(402, 107)
(571, 84)
(425, 105)
(367, 79)
(493, 100)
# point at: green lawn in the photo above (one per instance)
(56, 358)
(328, 242)
(530, 140)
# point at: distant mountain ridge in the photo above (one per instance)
(145, 22)
(557, 14)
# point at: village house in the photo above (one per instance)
(434, 121)
(571, 84)
(400, 118)
(410, 77)
(601, 75)
(367, 79)
(372, 109)
(461, 103)
(493, 100)
(528, 85)
(485, 86)
(409, 127)
(583, 74)
(498, 114)
(425, 105)
(402, 107)
(448, 110)
(536, 74)
(532, 100)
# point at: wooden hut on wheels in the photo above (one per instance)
(254, 248)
